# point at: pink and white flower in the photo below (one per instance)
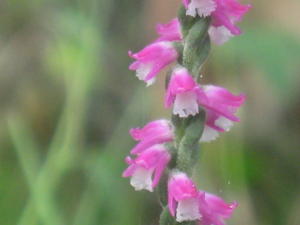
(152, 59)
(220, 111)
(155, 132)
(170, 31)
(214, 210)
(183, 198)
(184, 93)
(225, 14)
(145, 171)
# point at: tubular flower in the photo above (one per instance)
(227, 13)
(214, 210)
(183, 197)
(145, 171)
(170, 31)
(183, 93)
(220, 111)
(152, 59)
(155, 132)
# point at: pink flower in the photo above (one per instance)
(227, 13)
(183, 197)
(170, 31)
(145, 171)
(152, 59)
(155, 132)
(220, 111)
(185, 3)
(184, 93)
(214, 210)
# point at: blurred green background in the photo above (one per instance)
(67, 101)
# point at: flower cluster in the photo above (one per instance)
(186, 203)
(225, 14)
(186, 97)
(152, 156)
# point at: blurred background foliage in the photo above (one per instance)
(67, 102)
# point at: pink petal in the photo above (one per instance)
(170, 31)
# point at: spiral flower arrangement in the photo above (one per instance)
(167, 151)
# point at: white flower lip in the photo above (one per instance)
(187, 210)
(185, 104)
(142, 179)
(224, 123)
(143, 71)
(201, 7)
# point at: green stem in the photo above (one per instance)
(189, 149)
(188, 131)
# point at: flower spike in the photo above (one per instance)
(167, 151)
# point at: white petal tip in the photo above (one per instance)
(219, 35)
(150, 82)
(142, 180)
(224, 123)
(209, 134)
